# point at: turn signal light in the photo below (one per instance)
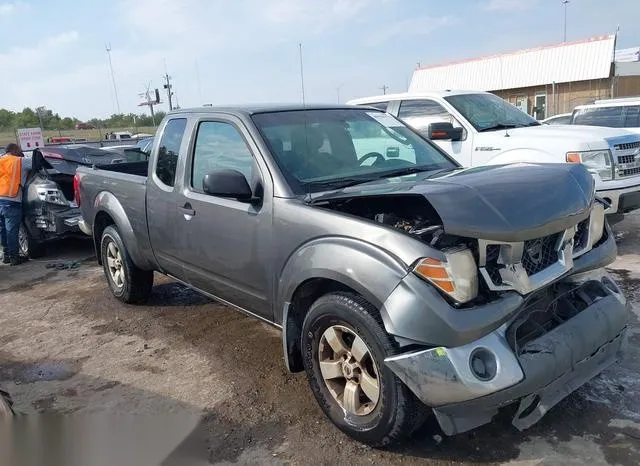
(456, 275)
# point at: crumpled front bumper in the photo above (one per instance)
(537, 374)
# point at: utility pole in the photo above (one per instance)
(113, 79)
(301, 74)
(338, 91)
(38, 110)
(384, 89)
(565, 3)
(168, 87)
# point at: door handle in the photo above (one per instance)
(187, 210)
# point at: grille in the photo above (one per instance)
(549, 310)
(581, 236)
(626, 158)
(540, 253)
(629, 171)
(627, 146)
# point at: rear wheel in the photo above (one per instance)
(28, 246)
(127, 282)
(344, 346)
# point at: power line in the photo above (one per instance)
(113, 79)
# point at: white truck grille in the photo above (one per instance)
(627, 158)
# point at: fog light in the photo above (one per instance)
(483, 364)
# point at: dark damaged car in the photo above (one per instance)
(399, 280)
(50, 211)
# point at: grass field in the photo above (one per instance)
(90, 134)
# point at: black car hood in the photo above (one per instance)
(495, 202)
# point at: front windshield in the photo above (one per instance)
(488, 112)
(329, 149)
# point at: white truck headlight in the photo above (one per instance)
(596, 223)
(457, 275)
(596, 161)
(52, 196)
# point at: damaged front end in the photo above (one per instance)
(513, 307)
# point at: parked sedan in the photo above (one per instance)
(562, 119)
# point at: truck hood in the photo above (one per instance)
(498, 202)
(593, 136)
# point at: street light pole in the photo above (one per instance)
(565, 3)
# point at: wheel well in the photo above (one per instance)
(304, 296)
(102, 221)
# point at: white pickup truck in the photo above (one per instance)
(479, 128)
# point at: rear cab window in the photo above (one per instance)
(169, 150)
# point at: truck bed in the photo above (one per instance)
(130, 168)
(124, 184)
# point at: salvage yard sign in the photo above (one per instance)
(30, 138)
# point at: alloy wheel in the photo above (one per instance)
(114, 264)
(349, 370)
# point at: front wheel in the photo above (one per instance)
(127, 282)
(344, 345)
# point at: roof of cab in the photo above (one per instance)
(261, 108)
(412, 95)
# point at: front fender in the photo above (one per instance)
(362, 266)
(106, 203)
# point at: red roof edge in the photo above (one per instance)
(550, 46)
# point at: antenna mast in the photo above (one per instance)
(301, 74)
(113, 79)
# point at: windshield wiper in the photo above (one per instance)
(339, 184)
(499, 126)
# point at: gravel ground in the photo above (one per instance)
(183, 380)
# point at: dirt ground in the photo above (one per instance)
(185, 381)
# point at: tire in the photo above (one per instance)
(396, 412)
(28, 245)
(6, 406)
(128, 283)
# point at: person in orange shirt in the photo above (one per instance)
(12, 182)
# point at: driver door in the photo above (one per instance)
(227, 243)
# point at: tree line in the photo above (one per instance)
(48, 120)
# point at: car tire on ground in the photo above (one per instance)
(6, 406)
(128, 283)
(29, 246)
(344, 345)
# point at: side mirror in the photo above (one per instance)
(227, 183)
(443, 131)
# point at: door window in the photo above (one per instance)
(169, 150)
(420, 113)
(379, 105)
(220, 146)
(540, 111)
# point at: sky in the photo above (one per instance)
(247, 51)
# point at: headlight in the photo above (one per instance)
(596, 223)
(52, 196)
(596, 161)
(457, 275)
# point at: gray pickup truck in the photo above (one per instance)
(402, 283)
